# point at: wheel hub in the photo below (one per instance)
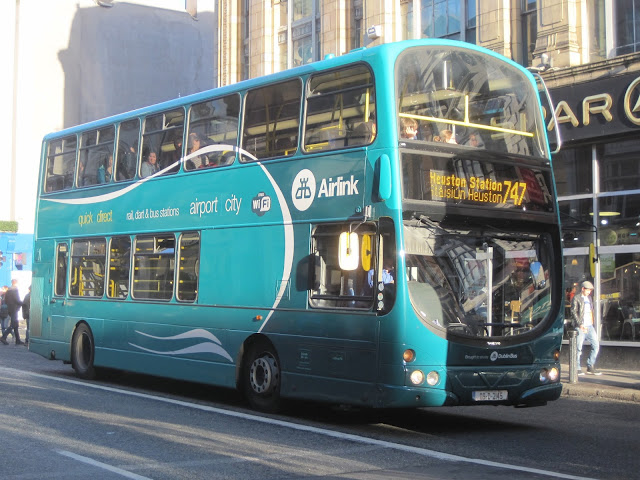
(264, 375)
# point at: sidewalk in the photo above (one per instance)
(618, 385)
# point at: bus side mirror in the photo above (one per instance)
(383, 177)
(537, 274)
(348, 251)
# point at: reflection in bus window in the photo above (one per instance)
(214, 122)
(272, 116)
(188, 268)
(119, 260)
(87, 267)
(337, 288)
(482, 104)
(127, 157)
(62, 256)
(61, 162)
(161, 134)
(96, 156)
(153, 266)
(340, 109)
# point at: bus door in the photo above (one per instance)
(55, 298)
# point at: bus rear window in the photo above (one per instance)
(61, 163)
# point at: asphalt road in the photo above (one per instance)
(132, 426)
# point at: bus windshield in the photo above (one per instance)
(446, 94)
(478, 283)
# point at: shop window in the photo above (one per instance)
(119, 267)
(619, 220)
(619, 165)
(87, 267)
(572, 168)
(576, 217)
(619, 296)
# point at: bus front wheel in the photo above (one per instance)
(83, 352)
(262, 377)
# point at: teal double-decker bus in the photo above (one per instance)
(377, 229)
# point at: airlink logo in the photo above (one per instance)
(503, 356)
(303, 190)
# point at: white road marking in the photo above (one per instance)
(104, 466)
(306, 428)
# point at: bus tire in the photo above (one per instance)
(83, 352)
(261, 377)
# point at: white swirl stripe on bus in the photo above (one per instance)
(118, 193)
(212, 346)
(288, 245)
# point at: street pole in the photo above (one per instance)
(573, 355)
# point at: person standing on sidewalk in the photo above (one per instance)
(12, 299)
(582, 316)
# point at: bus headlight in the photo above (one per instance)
(549, 375)
(416, 377)
(433, 378)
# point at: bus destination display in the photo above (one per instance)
(475, 182)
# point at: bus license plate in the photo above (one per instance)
(489, 395)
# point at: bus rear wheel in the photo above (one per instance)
(83, 352)
(262, 377)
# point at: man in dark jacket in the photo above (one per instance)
(582, 316)
(12, 299)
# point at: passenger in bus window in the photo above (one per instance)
(176, 155)
(196, 142)
(408, 128)
(475, 140)
(150, 165)
(127, 158)
(447, 136)
(105, 171)
(363, 134)
(425, 132)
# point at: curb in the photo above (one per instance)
(618, 394)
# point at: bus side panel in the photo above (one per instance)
(242, 266)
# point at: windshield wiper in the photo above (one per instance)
(432, 224)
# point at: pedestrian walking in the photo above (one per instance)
(12, 299)
(582, 315)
